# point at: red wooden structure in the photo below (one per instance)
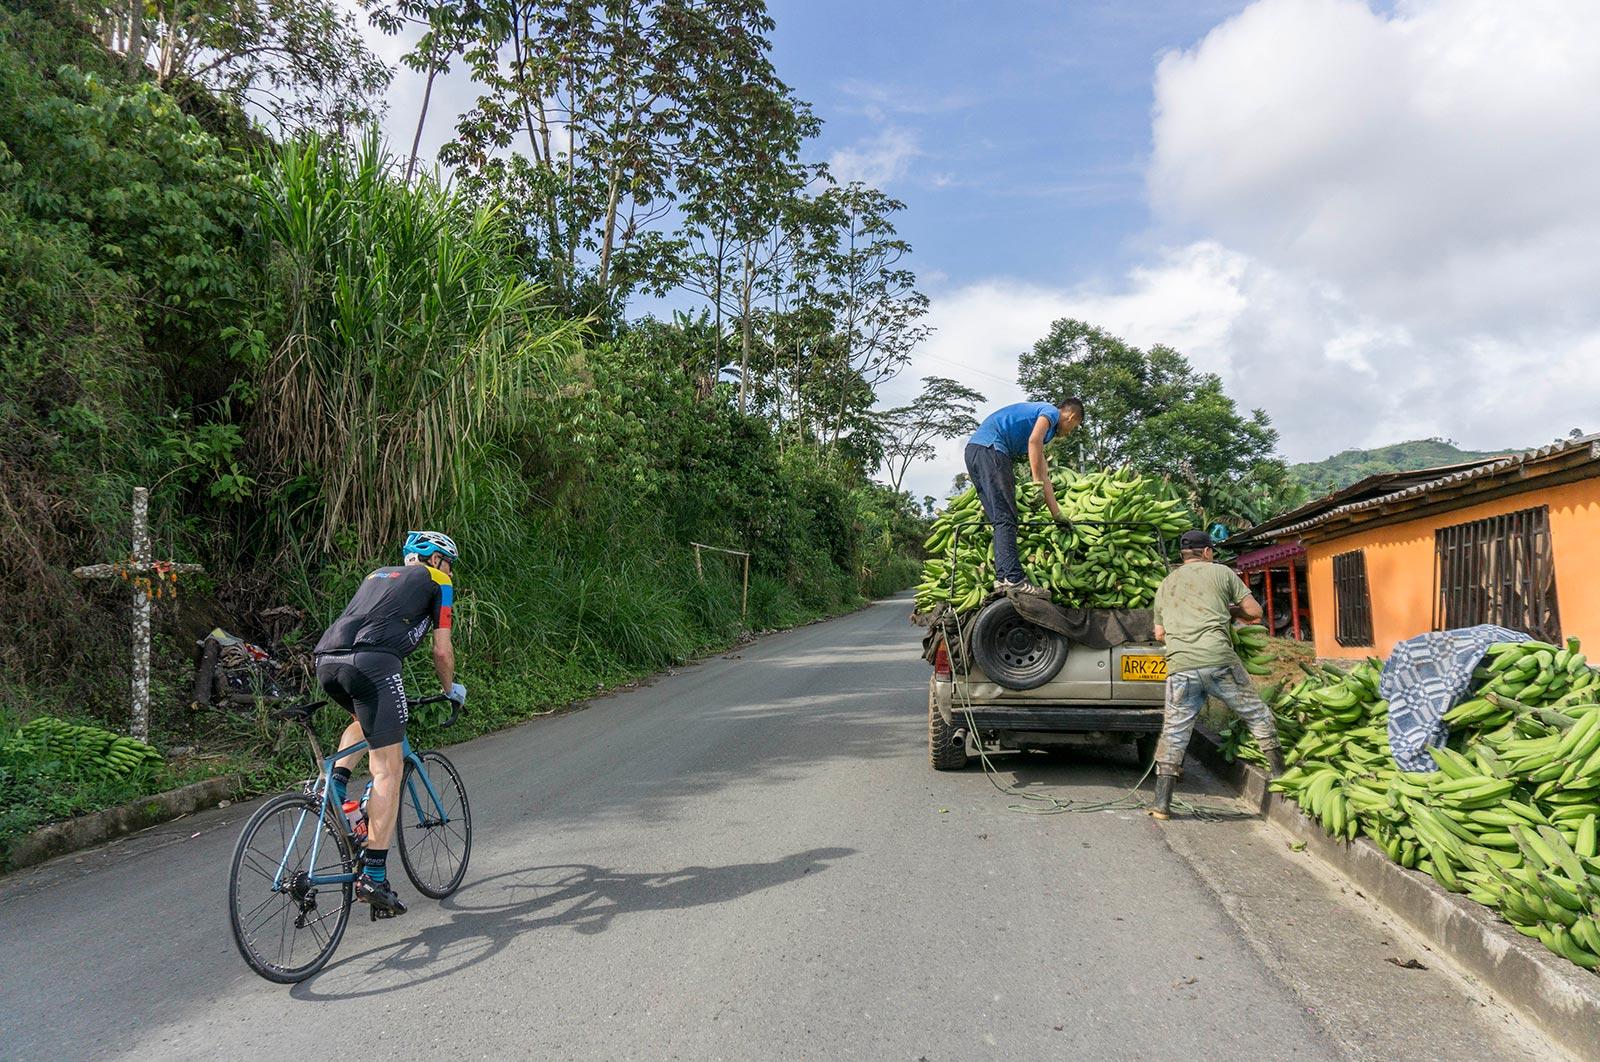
(1289, 560)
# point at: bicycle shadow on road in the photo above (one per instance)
(488, 915)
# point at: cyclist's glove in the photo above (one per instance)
(458, 693)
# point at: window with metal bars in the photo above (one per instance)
(1500, 570)
(1353, 614)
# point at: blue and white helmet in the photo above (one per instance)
(427, 543)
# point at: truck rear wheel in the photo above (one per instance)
(1013, 652)
(943, 753)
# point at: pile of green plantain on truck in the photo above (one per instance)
(1509, 819)
(1111, 555)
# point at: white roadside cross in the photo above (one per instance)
(144, 574)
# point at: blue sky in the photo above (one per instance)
(1017, 133)
(1376, 221)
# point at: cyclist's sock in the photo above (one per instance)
(375, 863)
(341, 785)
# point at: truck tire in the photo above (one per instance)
(1013, 652)
(943, 755)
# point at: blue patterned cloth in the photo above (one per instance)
(1425, 677)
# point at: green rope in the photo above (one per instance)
(1049, 805)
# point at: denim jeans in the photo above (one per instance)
(997, 487)
(1186, 695)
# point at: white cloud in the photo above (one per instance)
(877, 160)
(877, 99)
(1330, 376)
(1377, 227)
(1438, 166)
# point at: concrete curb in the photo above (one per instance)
(87, 830)
(1558, 998)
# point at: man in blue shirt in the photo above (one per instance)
(1009, 434)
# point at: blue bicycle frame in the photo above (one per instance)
(407, 757)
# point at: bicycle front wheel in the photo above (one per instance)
(286, 927)
(434, 825)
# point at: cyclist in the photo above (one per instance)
(358, 665)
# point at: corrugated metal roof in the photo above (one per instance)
(1267, 556)
(1494, 468)
(1371, 487)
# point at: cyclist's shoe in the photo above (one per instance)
(380, 896)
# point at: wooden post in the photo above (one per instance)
(1294, 600)
(1268, 595)
(140, 571)
(744, 596)
(141, 616)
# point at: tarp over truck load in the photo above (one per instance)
(1096, 628)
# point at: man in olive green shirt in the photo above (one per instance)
(1195, 606)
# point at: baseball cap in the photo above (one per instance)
(1195, 539)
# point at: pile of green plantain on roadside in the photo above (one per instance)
(1110, 557)
(1510, 817)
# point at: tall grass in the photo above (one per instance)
(404, 332)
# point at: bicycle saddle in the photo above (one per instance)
(298, 713)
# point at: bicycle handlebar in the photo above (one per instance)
(435, 699)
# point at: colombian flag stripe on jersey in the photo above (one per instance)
(447, 594)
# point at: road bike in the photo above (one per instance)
(292, 881)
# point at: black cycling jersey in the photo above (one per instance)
(392, 611)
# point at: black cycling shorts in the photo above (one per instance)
(368, 686)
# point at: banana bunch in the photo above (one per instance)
(1297, 707)
(1250, 644)
(1550, 892)
(1510, 818)
(1538, 673)
(81, 748)
(1340, 762)
(1237, 743)
(1109, 558)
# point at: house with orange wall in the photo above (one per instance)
(1513, 541)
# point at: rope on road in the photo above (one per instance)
(1041, 804)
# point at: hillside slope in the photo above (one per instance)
(1350, 466)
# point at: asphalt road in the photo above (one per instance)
(751, 859)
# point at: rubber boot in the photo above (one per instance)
(1275, 764)
(1162, 808)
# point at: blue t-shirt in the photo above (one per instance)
(1008, 429)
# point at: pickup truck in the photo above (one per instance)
(1002, 683)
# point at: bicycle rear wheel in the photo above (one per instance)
(434, 835)
(286, 928)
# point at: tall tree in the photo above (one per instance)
(945, 409)
(604, 104)
(856, 272)
(297, 63)
(448, 27)
(1151, 409)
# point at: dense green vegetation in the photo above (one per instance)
(1152, 411)
(303, 352)
(1352, 466)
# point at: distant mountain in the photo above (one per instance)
(1348, 467)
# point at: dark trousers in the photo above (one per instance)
(992, 474)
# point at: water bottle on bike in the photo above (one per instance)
(355, 813)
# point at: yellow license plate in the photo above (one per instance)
(1144, 668)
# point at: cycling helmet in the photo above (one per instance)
(427, 543)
